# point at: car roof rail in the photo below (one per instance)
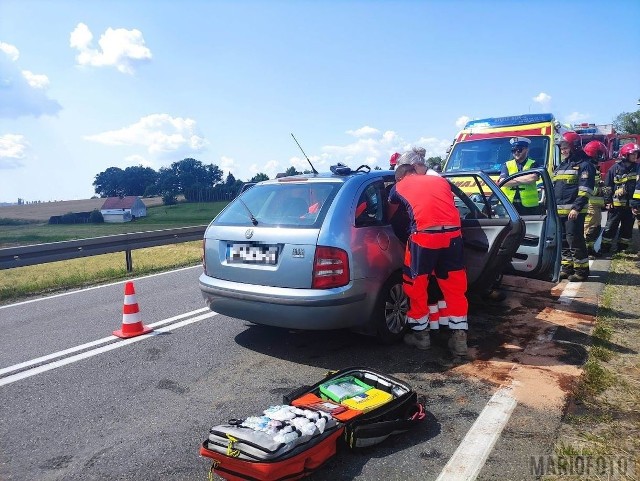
(341, 169)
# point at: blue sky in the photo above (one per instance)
(89, 85)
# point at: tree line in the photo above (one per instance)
(189, 177)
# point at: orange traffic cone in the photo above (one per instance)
(131, 324)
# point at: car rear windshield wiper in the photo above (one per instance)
(254, 221)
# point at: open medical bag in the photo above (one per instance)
(390, 406)
(359, 405)
(270, 449)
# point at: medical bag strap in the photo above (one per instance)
(358, 432)
(295, 394)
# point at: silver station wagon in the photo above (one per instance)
(318, 251)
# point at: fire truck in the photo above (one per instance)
(609, 137)
(604, 133)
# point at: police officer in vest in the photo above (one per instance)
(522, 191)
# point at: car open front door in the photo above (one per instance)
(539, 253)
(491, 236)
(500, 240)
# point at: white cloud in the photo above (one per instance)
(81, 37)
(12, 149)
(270, 168)
(10, 51)
(37, 81)
(434, 147)
(370, 146)
(542, 98)
(119, 48)
(21, 91)
(226, 164)
(134, 160)
(161, 134)
(365, 131)
(576, 117)
(461, 121)
(373, 149)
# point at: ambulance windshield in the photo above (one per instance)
(489, 154)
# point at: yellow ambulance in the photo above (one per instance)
(483, 144)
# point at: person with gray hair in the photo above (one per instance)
(416, 157)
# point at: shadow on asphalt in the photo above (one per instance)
(498, 330)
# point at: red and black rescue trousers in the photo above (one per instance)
(438, 315)
(437, 252)
(618, 217)
(575, 258)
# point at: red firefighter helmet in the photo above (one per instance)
(596, 150)
(571, 137)
(394, 160)
(628, 149)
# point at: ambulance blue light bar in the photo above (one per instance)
(493, 122)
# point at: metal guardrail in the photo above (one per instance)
(11, 257)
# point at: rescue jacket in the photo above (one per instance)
(635, 202)
(597, 198)
(428, 200)
(528, 192)
(573, 183)
(620, 183)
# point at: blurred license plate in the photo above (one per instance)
(251, 253)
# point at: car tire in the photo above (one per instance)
(390, 313)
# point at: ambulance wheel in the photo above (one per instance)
(390, 313)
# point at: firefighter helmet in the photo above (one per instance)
(596, 150)
(394, 160)
(628, 149)
(571, 137)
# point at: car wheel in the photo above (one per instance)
(390, 314)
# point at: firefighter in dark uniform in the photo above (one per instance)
(523, 191)
(618, 190)
(597, 152)
(635, 201)
(573, 182)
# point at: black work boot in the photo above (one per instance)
(565, 273)
(580, 275)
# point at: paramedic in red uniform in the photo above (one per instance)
(434, 246)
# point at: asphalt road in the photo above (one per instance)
(140, 410)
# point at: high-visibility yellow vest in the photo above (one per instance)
(528, 192)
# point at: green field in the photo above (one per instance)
(160, 217)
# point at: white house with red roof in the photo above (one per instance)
(123, 209)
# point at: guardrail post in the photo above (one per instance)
(128, 260)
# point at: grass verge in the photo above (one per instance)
(603, 419)
(22, 282)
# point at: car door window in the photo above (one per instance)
(370, 208)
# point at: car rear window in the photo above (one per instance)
(291, 204)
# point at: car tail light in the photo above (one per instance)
(204, 251)
(330, 268)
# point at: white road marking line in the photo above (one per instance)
(97, 342)
(473, 451)
(109, 347)
(68, 293)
